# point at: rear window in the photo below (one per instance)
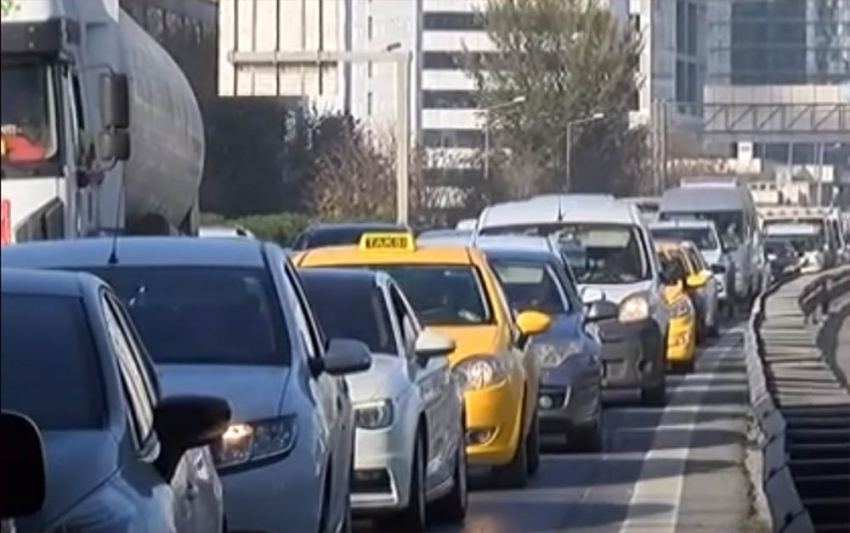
(703, 238)
(530, 286)
(50, 367)
(204, 315)
(332, 302)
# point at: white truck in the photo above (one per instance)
(101, 130)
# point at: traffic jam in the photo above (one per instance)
(224, 383)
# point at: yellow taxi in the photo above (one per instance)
(454, 291)
(682, 332)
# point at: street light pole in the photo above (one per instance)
(402, 60)
(569, 145)
(516, 101)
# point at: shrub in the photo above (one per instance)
(280, 228)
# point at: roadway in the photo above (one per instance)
(677, 468)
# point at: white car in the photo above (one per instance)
(410, 450)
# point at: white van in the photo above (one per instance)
(730, 206)
(612, 257)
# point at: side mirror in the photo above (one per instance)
(115, 101)
(532, 323)
(346, 356)
(431, 344)
(695, 281)
(23, 467)
(601, 310)
(185, 422)
(114, 144)
(590, 296)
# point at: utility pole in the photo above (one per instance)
(402, 60)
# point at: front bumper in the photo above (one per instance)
(494, 422)
(566, 398)
(382, 469)
(633, 354)
(681, 345)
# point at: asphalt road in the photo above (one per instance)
(678, 468)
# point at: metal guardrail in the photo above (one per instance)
(805, 448)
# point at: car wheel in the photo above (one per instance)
(533, 446)
(413, 518)
(452, 507)
(514, 475)
(654, 396)
(586, 438)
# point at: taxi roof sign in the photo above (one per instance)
(387, 242)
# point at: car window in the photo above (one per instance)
(406, 320)
(47, 345)
(138, 394)
(302, 321)
(531, 286)
(696, 259)
(204, 314)
(703, 238)
(333, 300)
(441, 295)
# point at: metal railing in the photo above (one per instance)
(816, 297)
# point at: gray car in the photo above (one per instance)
(119, 457)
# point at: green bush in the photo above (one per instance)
(280, 228)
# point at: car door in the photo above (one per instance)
(159, 503)
(202, 486)
(330, 396)
(434, 383)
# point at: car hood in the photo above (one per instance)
(617, 293)
(380, 381)
(564, 328)
(254, 392)
(77, 463)
(475, 340)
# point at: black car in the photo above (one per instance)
(783, 259)
(343, 233)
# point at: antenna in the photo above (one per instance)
(560, 209)
(113, 254)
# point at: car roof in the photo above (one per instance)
(781, 229)
(570, 208)
(345, 275)
(223, 231)
(706, 199)
(445, 233)
(46, 282)
(679, 223)
(365, 225)
(137, 251)
(352, 255)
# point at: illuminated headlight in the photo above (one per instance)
(634, 309)
(681, 309)
(551, 355)
(254, 441)
(374, 415)
(480, 372)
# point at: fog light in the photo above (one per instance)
(479, 436)
(546, 402)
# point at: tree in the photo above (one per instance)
(570, 60)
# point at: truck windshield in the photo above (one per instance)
(27, 115)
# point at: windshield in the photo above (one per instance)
(441, 295)
(332, 302)
(27, 114)
(800, 243)
(204, 315)
(50, 368)
(597, 253)
(729, 224)
(530, 287)
(703, 238)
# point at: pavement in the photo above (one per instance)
(674, 469)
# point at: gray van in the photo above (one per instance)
(730, 206)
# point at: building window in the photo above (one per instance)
(445, 138)
(369, 66)
(369, 28)
(448, 60)
(681, 26)
(450, 21)
(369, 103)
(448, 100)
(693, 29)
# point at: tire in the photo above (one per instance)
(453, 506)
(655, 396)
(586, 438)
(224, 527)
(533, 456)
(514, 475)
(413, 518)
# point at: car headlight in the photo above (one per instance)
(681, 309)
(254, 441)
(480, 372)
(551, 355)
(374, 415)
(634, 308)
